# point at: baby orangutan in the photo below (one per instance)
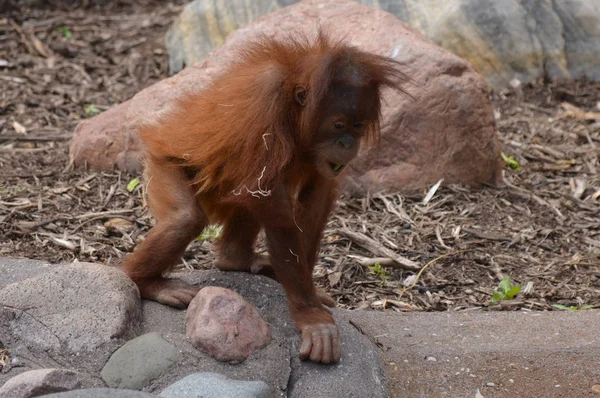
(261, 147)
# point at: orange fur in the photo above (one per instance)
(261, 148)
(246, 120)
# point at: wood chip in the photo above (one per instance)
(489, 235)
(432, 192)
(374, 247)
(19, 128)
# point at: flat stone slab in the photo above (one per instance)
(499, 354)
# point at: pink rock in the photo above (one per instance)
(224, 325)
(447, 132)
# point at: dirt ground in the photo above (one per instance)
(61, 62)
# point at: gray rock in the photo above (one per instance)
(581, 32)
(139, 361)
(101, 393)
(214, 385)
(499, 31)
(188, 26)
(41, 381)
(357, 375)
(33, 346)
(18, 269)
(502, 39)
(225, 325)
(76, 308)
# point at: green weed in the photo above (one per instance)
(511, 162)
(210, 232)
(506, 290)
(378, 270)
(91, 110)
(132, 185)
(66, 32)
(572, 307)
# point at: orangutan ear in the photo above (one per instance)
(300, 94)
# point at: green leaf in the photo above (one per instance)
(496, 297)
(378, 270)
(66, 32)
(562, 307)
(506, 284)
(506, 290)
(511, 162)
(210, 232)
(512, 293)
(133, 184)
(91, 110)
(572, 308)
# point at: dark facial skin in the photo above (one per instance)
(348, 111)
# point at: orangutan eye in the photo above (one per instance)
(359, 125)
(339, 125)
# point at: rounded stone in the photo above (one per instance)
(224, 325)
(215, 385)
(139, 361)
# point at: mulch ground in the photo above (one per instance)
(61, 62)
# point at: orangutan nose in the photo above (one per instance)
(346, 141)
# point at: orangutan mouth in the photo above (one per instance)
(336, 167)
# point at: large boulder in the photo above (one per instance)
(446, 132)
(502, 39)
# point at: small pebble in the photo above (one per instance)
(596, 388)
(432, 359)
